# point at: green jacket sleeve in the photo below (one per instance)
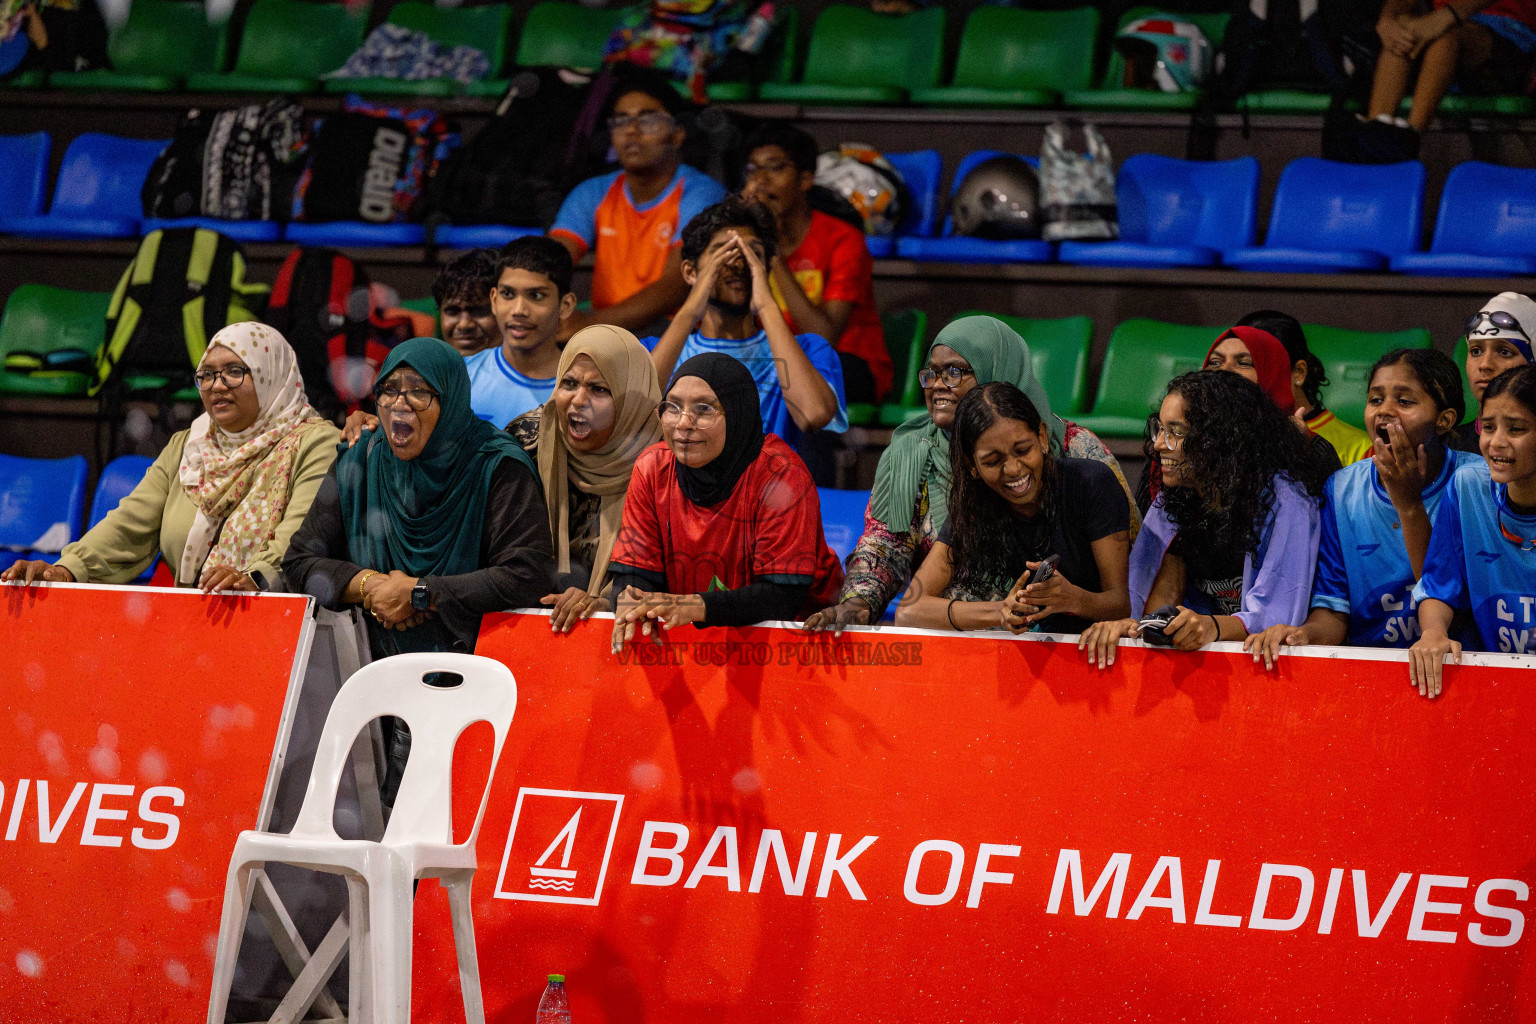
(123, 544)
(316, 452)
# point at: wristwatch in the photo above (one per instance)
(421, 597)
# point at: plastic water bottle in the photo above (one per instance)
(755, 32)
(554, 1008)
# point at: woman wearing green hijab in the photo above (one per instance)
(908, 506)
(430, 520)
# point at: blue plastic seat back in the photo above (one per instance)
(120, 477)
(1332, 206)
(921, 171)
(1487, 210)
(42, 502)
(967, 164)
(1164, 201)
(23, 174)
(842, 519)
(102, 176)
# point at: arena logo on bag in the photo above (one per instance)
(558, 846)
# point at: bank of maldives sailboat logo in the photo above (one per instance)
(558, 846)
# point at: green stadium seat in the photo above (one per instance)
(1285, 101)
(162, 43)
(906, 338)
(485, 28)
(858, 57)
(1018, 58)
(1347, 359)
(25, 80)
(1142, 357)
(1466, 384)
(1111, 95)
(287, 46)
(562, 35)
(1058, 353)
(778, 57)
(41, 318)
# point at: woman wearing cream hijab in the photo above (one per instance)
(224, 497)
(601, 416)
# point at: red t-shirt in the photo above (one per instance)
(833, 265)
(769, 528)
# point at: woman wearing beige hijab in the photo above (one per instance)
(224, 497)
(586, 438)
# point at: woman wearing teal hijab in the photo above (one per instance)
(431, 519)
(908, 506)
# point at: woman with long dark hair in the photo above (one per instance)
(1231, 539)
(1013, 503)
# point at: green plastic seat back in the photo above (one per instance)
(905, 332)
(288, 39)
(484, 28)
(166, 37)
(854, 46)
(1213, 25)
(41, 318)
(566, 36)
(1347, 360)
(782, 51)
(1058, 353)
(427, 305)
(1142, 357)
(1008, 48)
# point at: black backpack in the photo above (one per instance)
(239, 164)
(519, 166)
(183, 286)
(1290, 44)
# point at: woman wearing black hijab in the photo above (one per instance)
(722, 524)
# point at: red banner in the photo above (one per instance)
(753, 826)
(138, 731)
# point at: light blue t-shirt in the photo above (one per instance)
(498, 393)
(757, 356)
(1362, 566)
(1472, 563)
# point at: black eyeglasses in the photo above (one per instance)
(650, 122)
(951, 375)
(1498, 318)
(232, 376)
(417, 398)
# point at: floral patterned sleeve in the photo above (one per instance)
(1082, 443)
(525, 430)
(883, 561)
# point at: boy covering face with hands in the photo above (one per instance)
(730, 309)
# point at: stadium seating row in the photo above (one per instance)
(1007, 57)
(42, 502)
(1142, 355)
(1326, 217)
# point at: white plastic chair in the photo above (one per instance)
(418, 842)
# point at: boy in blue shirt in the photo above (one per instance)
(1377, 512)
(731, 309)
(532, 300)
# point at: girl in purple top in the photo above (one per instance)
(1231, 540)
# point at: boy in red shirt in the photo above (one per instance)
(823, 275)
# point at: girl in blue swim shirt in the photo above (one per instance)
(1482, 554)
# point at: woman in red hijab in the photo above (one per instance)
(1259, 356)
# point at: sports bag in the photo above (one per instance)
(371, 163)
(1077, 190)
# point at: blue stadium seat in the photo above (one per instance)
(23, 174)
(1176, 213)
(479, 236)
(239, 230)
(120, 477)
(921, 172)
(950, 249)
(344, 233)
(98, 191)
(1330, 217)
(42, 503)
(1486, 227)
(842, 519)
